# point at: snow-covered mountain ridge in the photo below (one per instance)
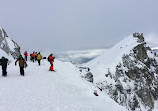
(128, 73)
(8, 45)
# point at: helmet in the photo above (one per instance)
(20, 56)
(3, 57)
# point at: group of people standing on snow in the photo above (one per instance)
(34, 57)
(22, 62)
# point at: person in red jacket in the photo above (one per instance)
(32, 56)
(51, 60)
(25, 53)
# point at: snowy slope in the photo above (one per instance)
(8, 56)
(2, 53)
(111, 58)
(41, 90)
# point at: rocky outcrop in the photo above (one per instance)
(138, 73)
(8, 45)
(85, 73)
(134, 83)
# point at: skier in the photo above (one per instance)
(39, 57)
(25, 53)
(22, 64)
(51, 60)
(3, 62)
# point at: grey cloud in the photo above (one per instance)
(76, 24)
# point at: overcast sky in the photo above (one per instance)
(77, 24)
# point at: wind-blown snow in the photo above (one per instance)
(42, 90)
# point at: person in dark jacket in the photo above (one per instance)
(3, 63)
(36, 56)
(22, 64)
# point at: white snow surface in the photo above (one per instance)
(42, 90)
(111, 58)
(10, 43)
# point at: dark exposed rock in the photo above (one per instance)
(86, 73)
(140, 52)
(89, 77)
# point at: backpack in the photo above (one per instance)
(44, 57)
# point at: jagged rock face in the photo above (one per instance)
(8, 45)
(135, 80)
(141, 70)
(85, 73)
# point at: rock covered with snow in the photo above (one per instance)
(128, 73)
(8, 45)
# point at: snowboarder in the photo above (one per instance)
(51, 60)
(22, 64)
(39, 57)
(3, 62)
(25, 53)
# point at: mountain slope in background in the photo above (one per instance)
(128, 73)
(80, 56)
(155, 49)
(8, 45)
